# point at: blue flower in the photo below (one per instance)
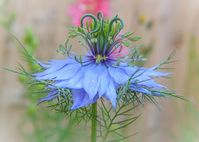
(99, 73)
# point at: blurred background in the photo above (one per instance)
(164, 25)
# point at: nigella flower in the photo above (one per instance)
(99, 73)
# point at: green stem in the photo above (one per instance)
(94, 123)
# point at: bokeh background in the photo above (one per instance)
(164, 25)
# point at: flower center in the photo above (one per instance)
(99, 58)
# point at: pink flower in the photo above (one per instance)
(88, 6)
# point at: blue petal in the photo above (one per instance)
(151, 84)
(142, 80)
(154, 73)
(132, 70)
(73, 83)
(52, 68)
(81, 99)
(119, 75)
(144, 72)
(91, 80)
(111, 94)
(51, 95)
(65, 73)
(104, 82)
(140, 89)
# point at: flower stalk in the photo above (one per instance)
(94, 123)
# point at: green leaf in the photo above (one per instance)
(126, 43)
(135, 38)
(126, 35)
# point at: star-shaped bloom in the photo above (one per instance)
(99, 73)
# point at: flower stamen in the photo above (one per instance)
(99, 58)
